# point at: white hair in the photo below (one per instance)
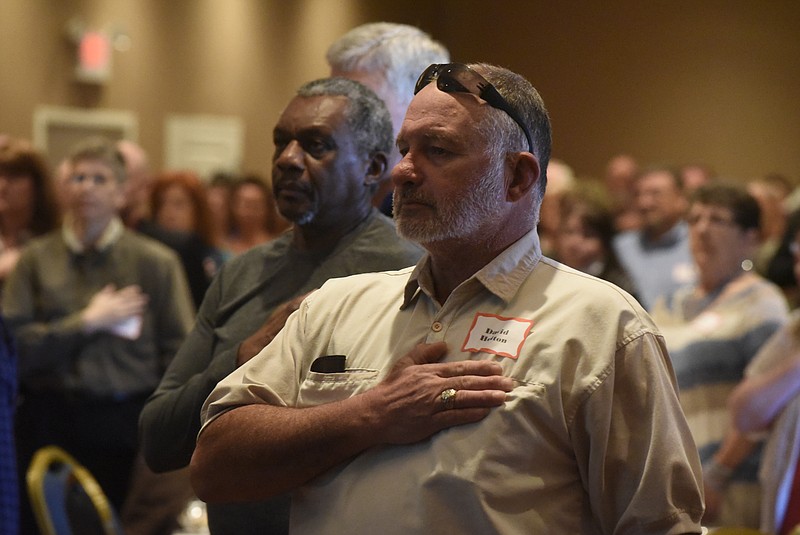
(399, 51)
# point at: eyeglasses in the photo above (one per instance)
(460, 78)
(96, 179)
(713, 220)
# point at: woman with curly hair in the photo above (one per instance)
(28, 204)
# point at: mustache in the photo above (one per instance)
(408, 195)
(291, 184)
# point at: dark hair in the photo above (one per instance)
(594, 207)
(591, 202)
(223, 179)
(18, 158)
(101, 150)
(673, 172)
(725, 194)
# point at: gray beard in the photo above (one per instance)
(306, 218)
(452, 219)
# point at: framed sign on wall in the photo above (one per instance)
(56, 130)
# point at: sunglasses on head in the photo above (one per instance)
(460, 78)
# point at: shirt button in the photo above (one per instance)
(436, 327)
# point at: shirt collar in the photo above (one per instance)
(502, 276)
(109, 237)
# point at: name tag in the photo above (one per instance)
(494, 334)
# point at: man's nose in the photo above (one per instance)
(405, 171)
(291, 157)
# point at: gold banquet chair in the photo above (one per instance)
(734, 531)
(66, 498)
(745, 531)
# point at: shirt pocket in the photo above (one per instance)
(319, 388)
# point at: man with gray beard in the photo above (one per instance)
(331, 146)
(486, 390)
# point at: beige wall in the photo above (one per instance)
(712, 81)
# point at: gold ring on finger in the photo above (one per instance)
(449, 398)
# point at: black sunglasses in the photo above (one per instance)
(460, 78)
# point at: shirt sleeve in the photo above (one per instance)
(639, 463)
(170, 420)
(775, 350)
(42, 344)
(272, 376)
(174, 310)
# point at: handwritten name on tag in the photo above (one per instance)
(498, 335)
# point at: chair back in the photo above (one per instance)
(735, 531)
(66, 498)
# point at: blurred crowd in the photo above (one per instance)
(206, 220)
(716, 263)
(97, 200)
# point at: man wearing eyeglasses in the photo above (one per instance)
(98, 312)
(486, 390)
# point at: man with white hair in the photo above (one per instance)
(388, 58)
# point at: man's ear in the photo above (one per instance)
(377, 168)
(525, 172)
